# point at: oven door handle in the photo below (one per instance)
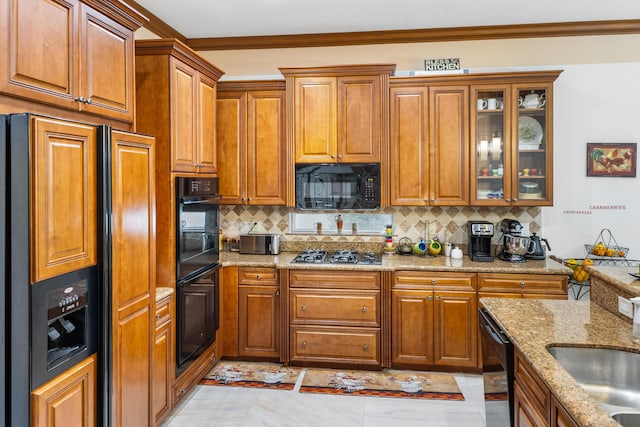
(208, 200)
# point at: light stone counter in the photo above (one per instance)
(533, 325)
(617, 276)
(398, 262)
(162, 293)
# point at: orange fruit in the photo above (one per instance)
(620, 253)
(587, 261)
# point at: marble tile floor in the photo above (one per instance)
(246, 407)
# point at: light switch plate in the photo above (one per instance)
(625, 307)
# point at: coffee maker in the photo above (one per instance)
(514, 245)
(480, 234)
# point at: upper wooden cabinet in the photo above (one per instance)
(69, 54)
(337, 114)
(429, 148)
(512, 140)
(251, 142)
(176, 101)
(63, 197)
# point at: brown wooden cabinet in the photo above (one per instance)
(551, 286)
(63, 196)
(251, 143)
(337, 113)
(176, 102)
(133, 256)
(69, 399)
(163, 366)
(559, 416)
(429, 148)
(70, 54)
(198, 369)
(259, 312)
(335, 318)
(512, 138)
(434, 319)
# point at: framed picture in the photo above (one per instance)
(611, 159)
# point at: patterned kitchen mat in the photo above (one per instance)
(252, 374)
(495, 385)
(387, 383)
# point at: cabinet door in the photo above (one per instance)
(408, 146)
(412, 327)
(359, 119)
(68, 400)
(265, 169)
(449, 146)
(205, 121)
(230, 145)
(559, 416)
(63, 197)
(183, 111)
(490, 155)
(532, 144)
(259, 325)
(162, 367)
(455, 329)
(106, 66)
(525, 414)
(40, 51)
(315, 119)
(133, 276)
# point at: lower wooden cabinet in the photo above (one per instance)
(534, 404)
(69, 400)
(335, 318)
(196, 371)
(163, 366)
(259, 321)
(434, 320)
(549, 286)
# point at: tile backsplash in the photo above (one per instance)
(413, 222)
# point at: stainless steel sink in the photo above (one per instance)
(612, 377)
(627, 419)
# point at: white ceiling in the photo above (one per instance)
(219, 18)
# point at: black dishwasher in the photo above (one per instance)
(497, 372)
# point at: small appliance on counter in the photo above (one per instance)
(260, 244)
(514, 246)
(480, 234)
(536, 249)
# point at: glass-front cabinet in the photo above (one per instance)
(511, 145)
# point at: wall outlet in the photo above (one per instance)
(625, 307)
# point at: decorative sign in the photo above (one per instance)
(445, 64)
(611, 159)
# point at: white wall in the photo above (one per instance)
(593, 103)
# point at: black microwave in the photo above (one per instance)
(338, 186)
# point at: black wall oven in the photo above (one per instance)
(198, 228)
(197, 256)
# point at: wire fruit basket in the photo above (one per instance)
(606, 250)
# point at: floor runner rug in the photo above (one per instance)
(252, 374)
(387, 383)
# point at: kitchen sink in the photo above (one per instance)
(627, 419)
(611, 377)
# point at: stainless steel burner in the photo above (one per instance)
(342, 256)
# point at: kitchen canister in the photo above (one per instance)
(456, 253)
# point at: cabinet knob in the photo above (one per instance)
(364, 308)
(522, 284)
(304, 344)
(515, 200)
(508, 200)
(157, 316)
(303, 307)
(433, 281)
(339, 156)
(429, 297)
(332, 156)
(365, 347)
(433, 200)
(88, 101)
(258, 276)
(278, 292)
(437, 298)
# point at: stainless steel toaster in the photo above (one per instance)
(260, 244)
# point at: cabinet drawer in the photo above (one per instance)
(533, 283)
(335, 345)
(163, 311)
(334, 279)
(532, 385)
(450, 281)
(335, 307)
(257, 276)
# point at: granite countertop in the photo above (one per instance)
(163, 292)
(617, 276)
(533, 325)
(398, 262)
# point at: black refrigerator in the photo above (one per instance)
(46, 326)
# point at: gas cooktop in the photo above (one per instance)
(321, 256)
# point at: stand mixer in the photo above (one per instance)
(514, 245)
